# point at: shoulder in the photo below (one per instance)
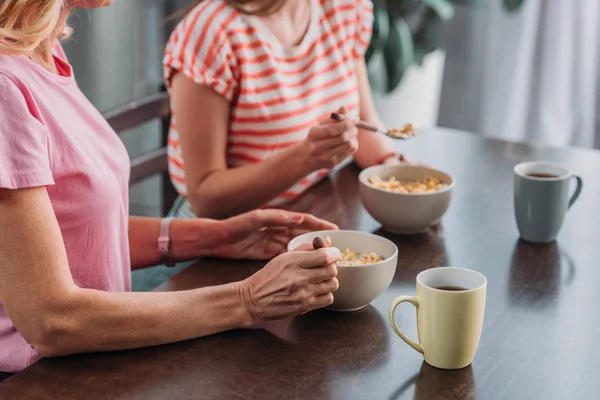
(10, 87)
(345, 8)
(352, 16)
(11, 68)
(205, 24)
(13, 72)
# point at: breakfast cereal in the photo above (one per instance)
(350, 258)
(429, 184)
(407, 130)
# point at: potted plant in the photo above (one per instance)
(405, 63)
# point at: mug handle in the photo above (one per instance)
(415, 302)
(577, 190)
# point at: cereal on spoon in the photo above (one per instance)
(407, 130)
(397, 133)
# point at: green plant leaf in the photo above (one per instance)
(381, 31)
(442, 7)
(469, 3)
(513, 5)
(399, 52)
(427, 36)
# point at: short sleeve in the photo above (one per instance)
(24, 157)
(364, 27)
(200, 48)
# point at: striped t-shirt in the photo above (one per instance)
(277, 93)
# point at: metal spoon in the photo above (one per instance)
(368, 127)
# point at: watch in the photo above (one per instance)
(164, 243)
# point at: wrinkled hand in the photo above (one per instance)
(264, 234)
(292, 284)
(329, 143)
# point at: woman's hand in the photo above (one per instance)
(292, 284)
(263, 234)
(328, 144)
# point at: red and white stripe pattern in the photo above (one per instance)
(277, 93)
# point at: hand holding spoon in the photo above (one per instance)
(399, 134)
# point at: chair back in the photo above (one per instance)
(134, 114)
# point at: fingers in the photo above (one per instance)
(331, 130)
(348, 139)
(287, 219)
(331, 156)
(322, 301)
(328, 121)
(309, 246)
(276, 218)
(322, 274)
(315, 258)
(325, 287)
(344, 149)
(312, 223)
(304, 247)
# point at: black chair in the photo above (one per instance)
(132, 115)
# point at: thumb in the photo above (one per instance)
(304, 247)
(309, 246)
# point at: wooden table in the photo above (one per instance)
(541, 327)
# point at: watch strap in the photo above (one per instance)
(164, 242)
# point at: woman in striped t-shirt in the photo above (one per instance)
(252, 84)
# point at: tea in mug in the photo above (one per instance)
(544, 176)
(450, 288)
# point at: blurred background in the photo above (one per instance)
(521, 70)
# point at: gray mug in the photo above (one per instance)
(542, 199)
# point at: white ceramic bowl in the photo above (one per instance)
(405, 213)
(359, 284)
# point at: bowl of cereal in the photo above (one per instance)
(366, 270)
(405, 199)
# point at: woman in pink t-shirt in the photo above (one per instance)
(67, 244)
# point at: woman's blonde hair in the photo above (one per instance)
(25, 23)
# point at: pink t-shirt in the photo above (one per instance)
(51, 135)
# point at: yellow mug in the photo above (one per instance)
(450, 304)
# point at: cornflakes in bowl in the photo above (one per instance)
(366, 269)
(405, 199)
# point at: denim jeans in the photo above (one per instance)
(4, 375)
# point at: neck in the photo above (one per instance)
(43, 53)
(291, 9)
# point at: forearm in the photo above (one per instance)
(373, 147)
(231, 191)
(92, 321)
(190, 238)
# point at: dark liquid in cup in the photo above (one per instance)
(543, 176)
(451, 288)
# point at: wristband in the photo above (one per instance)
(164, 242)
(391, 154)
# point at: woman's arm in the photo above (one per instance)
(190, 238)
(256, 235)
(57, 317)
(214, 190)
(373, 147)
